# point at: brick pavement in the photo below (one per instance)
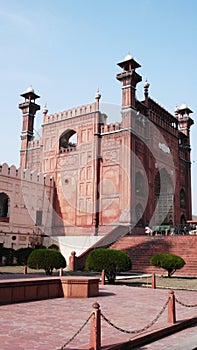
(48, 324)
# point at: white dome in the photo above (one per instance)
(183, 106)
(30, 89)
(128, 57)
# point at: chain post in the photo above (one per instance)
(95, 328)
(153, 281)
(171, 307)
(103, 277)
(72, 261)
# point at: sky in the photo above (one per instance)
(66, 49)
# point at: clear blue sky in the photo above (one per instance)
(65, 49)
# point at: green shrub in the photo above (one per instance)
(53, 246)
(46, 259)
(9, 255)
(110, 260)
(22, 255)
(168, 262)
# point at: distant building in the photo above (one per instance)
(133, 173)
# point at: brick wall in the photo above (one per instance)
(141, 248)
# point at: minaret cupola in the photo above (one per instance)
(129, 79)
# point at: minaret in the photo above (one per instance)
(129, 79)
(184, 123)
(97, 163)
(184, 120)
(29, 109)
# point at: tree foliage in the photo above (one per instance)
(8, 254)
(110, 260)
(46, 259)
(22, 255)
(168, 262)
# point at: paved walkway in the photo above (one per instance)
(49, 324)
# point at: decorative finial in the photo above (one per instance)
(97, 95)
(176, 110)
(146, 84)
(45, 110)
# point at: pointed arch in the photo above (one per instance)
(164, 198)
(68, 139)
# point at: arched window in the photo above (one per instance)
(4, 202)
(139, 184)
(139, 213)
(182, 198)
(68, 140)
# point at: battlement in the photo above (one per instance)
(26, 174)
(70, 113)
(34, 144)
(110, 127)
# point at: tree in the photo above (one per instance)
(110, 260)
(46, 259)
(8, 254)
(168, 262)
(22, 255)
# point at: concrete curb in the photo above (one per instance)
(153, 336)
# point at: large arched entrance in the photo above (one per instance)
(164, 199)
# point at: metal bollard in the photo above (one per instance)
(95, 328)
(25, 270)
(171, 308)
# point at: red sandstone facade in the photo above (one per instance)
(133, 173)
(85, 177)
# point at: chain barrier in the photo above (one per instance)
(137, 331)
(141, 329)
(183, 304)
(74, 336)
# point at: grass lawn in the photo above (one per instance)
(184, 283)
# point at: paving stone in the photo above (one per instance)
(49, 324)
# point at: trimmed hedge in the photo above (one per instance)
(110, 260)
(46, 259)
(168, 262)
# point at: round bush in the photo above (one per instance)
(46, 259)
(110, 260)
(168, 262)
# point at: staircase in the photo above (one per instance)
(141, 248)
